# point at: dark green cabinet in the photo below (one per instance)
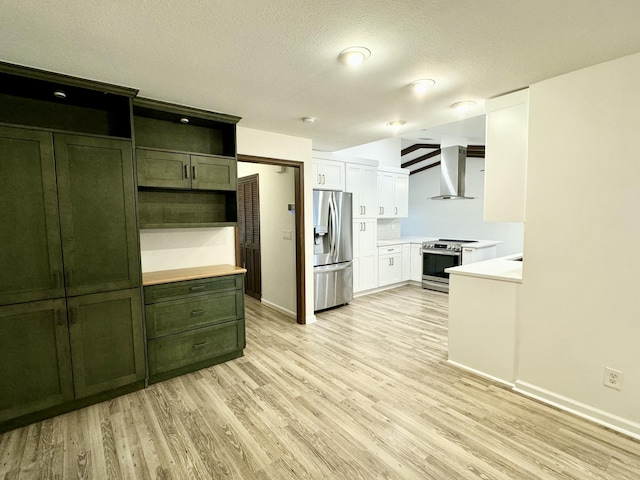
(35, 371)
(107, 343)
(162, 169)
(186, 166)
(30, 248)
(193, 324)
(97, 214)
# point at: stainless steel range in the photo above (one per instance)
(437, 256)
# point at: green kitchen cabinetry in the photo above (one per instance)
(107, 342)
(186, 166)
(35, 371)
(71, 327)
(30, 246)
(162, 169)
(97, 214)
(193, 324)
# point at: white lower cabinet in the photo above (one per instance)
(406, 262)
(416, 262)
(389, 265)
(365, 254)
(473, 255)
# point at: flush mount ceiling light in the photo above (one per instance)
(354, 55)
(462, 106)
(184, 120)
(308, 120)
(59, 94)
(422, 85)
(396, 123)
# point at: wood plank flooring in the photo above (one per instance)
(364, 393)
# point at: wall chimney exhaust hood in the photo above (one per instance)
(453, 164)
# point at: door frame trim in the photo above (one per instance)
(298, 180)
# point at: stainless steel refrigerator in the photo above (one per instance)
(332, 248)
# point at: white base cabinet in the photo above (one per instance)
(389, 265)
(416, 262)
(473, 255)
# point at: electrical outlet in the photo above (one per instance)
(613, 378)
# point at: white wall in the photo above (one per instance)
(386, 152)
(456, 218)
(285, 147)
(170, 248)
(278, 255)
(580, 308)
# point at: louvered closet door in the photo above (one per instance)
(249, 233)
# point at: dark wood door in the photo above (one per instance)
(35, 371)
(163, 169)
(97, 214)
(30, 250)
(213, 173)
(107, 343)
(249, 233)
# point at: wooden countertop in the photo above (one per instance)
(192, 273)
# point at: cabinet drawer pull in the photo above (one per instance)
(197, 313)
(73, 315)
(395, 210)
(193, 172)
(186, 172)
(197, 288)
(198, 346)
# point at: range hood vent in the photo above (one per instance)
(453, 164)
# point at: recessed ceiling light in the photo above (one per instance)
(354, 55)
(421, 86)
(308, 120)
(462, 106)
(396, 123)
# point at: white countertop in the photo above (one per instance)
(503, 268)
(403, 240)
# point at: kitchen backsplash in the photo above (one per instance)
(388, 228)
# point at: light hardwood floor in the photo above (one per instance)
(364, 393)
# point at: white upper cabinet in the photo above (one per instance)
(328, 174)
(361, 181)
(506, 157)
(393, 193)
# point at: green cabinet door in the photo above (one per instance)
(107, 344)
(30, 251)
(163, 169)
(35, 367)
(97, 214)
(213, 173)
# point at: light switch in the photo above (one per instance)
(286, 234)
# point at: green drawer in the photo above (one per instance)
(164, 318)
(176, 290)
(183, 349)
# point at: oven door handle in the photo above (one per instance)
(442, 252)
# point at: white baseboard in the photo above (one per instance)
(482, 374)
(280, 309)
(379, 289)
(601, 417)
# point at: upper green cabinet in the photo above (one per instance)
(164, 169)
(30, 255)
(186, 166)
(97, 214)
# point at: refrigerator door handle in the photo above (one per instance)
(332, 268)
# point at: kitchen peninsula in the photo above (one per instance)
(483, 313)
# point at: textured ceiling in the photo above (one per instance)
(273, 62)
